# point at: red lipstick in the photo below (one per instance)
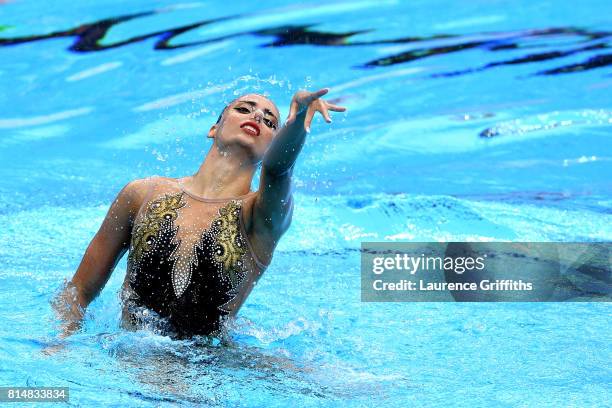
(251, 128)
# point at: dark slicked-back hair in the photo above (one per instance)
(220, 116)
(223, 111)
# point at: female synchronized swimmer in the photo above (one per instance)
(198, 244)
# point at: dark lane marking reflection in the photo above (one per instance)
(597, 61)
(301, 35)
(545, 56)
(493, 45)
(89, 35)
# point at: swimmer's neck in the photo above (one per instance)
(221, 175)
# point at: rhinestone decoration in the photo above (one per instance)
(161, 210)
(222, 240)
(229, 246)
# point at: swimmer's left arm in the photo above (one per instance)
(273, 207)
(288, 142)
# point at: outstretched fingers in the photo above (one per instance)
(310, 97)
(323, 107)
(293, 109)
(317, 94)
(325, 114)
(309, 115)
(312, 103)
(335, 108)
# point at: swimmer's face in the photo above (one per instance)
(251, 122)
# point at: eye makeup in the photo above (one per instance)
(249, 107)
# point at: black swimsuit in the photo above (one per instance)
(189, 261)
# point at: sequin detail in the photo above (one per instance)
(230, 246)
(189, 262)
(161, 210)
(222, 240)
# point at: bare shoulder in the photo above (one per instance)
(138, 187)
(134, 192)
(137, 190)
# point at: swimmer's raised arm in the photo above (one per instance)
(287, 144)
(102, 255)
(273, 207)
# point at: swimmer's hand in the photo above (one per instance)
(69, 307)
(310, 103)
(69, 311)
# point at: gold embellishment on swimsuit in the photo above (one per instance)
(161, 210)
(223, 239)
(230, 246)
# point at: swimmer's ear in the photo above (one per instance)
(212, 132)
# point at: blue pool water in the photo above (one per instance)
(481, 120)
